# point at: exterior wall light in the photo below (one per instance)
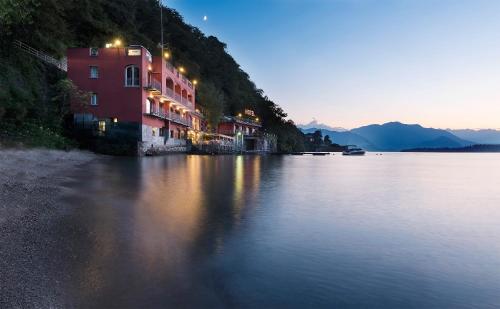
(118, 42)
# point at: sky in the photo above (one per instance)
(349, 63)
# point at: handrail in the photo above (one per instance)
(167, 115)
(60, 64)
(154, 84)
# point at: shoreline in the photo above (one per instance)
(32, 183)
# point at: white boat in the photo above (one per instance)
(353, 150)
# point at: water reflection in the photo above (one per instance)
(233, 231)
(150, 220)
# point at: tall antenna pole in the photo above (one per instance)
(160, 2)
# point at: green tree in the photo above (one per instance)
(213, 103)
(55, 25)
(317, 138)
(327, 141)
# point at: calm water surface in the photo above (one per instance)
(392, 231)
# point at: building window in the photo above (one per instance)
(94, 72)
(93, 99)
(94, 52)
(171, 133)
(153, 131)
(132, 76)
(162, 131)
(102, 126)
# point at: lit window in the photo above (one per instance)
(93, 99)
(94, 52)
(102, 126)
(94, 72)
(153, 132)
(132, 76)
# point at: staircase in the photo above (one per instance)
(60, 64)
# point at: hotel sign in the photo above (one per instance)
(134, 52)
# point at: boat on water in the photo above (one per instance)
(353, 150)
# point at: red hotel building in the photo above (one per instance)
(130, 88)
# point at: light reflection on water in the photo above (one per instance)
(399, 230)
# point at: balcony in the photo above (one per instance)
(177, 98)
(154, 86)
(179, 75)
(179, 119)
(198, 114)
(167, 115)
(169, 92)
(187, 103)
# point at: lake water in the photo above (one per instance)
(400, 230)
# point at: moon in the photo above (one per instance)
(205, 18)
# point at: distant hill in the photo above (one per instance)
(441, 142)
(487, 136)
(395, 136)
(473, 148)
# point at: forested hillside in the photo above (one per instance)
(33, 93)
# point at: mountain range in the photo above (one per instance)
(314, 124)
(485, 136)
(397, 136)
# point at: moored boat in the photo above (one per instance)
(353, 150)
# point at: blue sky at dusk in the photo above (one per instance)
(355, 62)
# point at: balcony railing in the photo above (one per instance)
(169, 92)
(179, 119)
(177, 97)
(186, 102)
(179, 75)
(167, 115)
(154, 85)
